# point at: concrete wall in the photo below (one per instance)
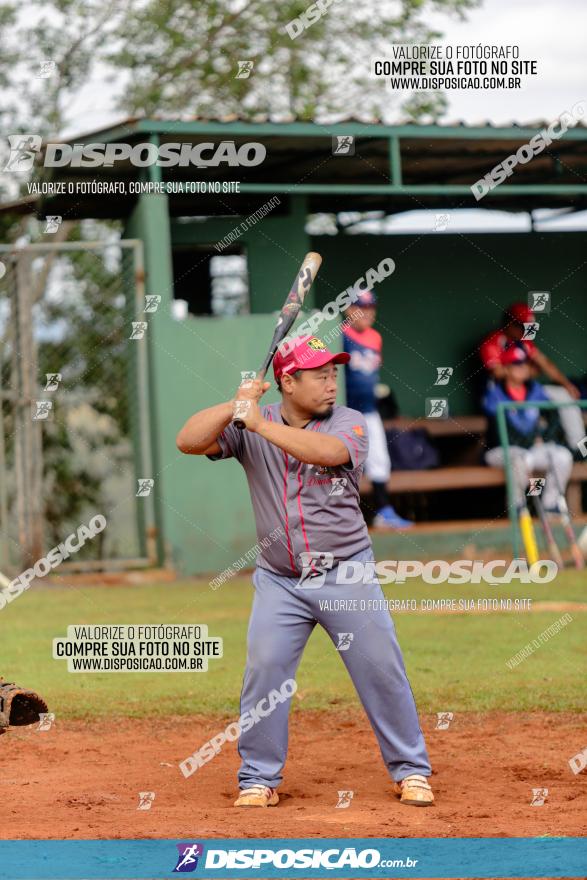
(449, 290)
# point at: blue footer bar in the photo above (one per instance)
(300, 858)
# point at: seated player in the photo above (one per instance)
(363, 343)
(532, 433)
(562, 389)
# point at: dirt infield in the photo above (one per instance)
(82, 780)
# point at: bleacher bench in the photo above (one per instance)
(461, 477)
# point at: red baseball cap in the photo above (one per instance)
(514, 354)
(520, 312)
(305, 353)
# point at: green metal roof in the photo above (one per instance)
(395, 167)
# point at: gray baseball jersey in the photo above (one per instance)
(316, 507)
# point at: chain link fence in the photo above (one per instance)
(74, 421)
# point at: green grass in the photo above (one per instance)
(455, 663)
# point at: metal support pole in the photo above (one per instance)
(509, 477)
(395, 161)
(4, 550)
(27, 433)
(504, 441)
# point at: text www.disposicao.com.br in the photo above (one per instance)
(135, 664)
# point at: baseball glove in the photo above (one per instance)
(18, 706)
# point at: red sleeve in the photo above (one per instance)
(530, 347)
(490, 351)
(372, 339)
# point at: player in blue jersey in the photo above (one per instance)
(364, 345)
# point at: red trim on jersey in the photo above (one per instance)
(299, 476)
(369, 338)
(354, 445)
(516, 393)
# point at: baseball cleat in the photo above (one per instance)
(257, 796)
(414, 791)
(388, 518)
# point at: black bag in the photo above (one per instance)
(411, 450)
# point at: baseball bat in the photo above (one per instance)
(289, 312)
(565, 515)
(528, 536)
(548, 533)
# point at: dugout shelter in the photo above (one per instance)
(448, 289)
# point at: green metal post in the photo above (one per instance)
(150, 222)
(504, 441)
(395, 161)
(509, 477)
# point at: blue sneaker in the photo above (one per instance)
(387, 518)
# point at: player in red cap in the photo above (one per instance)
(534, 435)
(519, 325)
(516, 319)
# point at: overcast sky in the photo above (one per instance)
(552, 32)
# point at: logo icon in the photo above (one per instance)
(241, 408)
(321, 469)
(536, 486)
(187, 860)
(53, 380)
(144, 489)
(358, 430)
(314, 567)
(343, 145)
(42, 410)
(344, 641)
(578, 762)
(540, 301)
(244, 69)
(53, 222)
(316, 344)
(344, 799)
(338, 485)
(436, 408)
(539, 795)
(146, 799)
(138, 329)
(46, 720)
(530, 330)
(444, 374)
(152, 301)
(46, 69)
(441, 222)
(23, 151)
(443, 720)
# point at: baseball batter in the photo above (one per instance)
(303, 460)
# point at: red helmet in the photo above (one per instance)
(519, 312)
(514, 354)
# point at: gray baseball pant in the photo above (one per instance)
(555, 460)
(282, 619)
